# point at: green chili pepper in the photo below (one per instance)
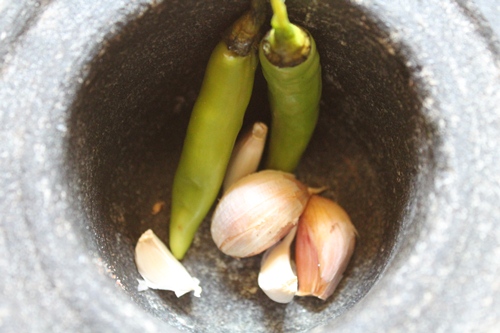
(291, 67)
(215, 121)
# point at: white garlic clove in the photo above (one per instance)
(160, 269)
(257, 211)
(324, 245)
(277, 276)
(246, 154)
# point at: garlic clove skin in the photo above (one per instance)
(246, 155)
(160, 269)
(257, 211)
(324, 245)
(277, 277)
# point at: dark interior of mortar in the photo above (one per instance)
(127, 127)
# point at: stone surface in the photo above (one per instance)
(417, 89)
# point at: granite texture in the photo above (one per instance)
(94, 99)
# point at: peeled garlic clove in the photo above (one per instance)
(324, 245)
(277, 276)
(257, 211)
(160, 269)
(246, 154)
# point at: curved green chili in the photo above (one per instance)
(215, 121)
(290, 63)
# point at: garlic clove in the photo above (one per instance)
(277, 276)
(257, 211)
(246, 154)
(160, 269)
(324, 245)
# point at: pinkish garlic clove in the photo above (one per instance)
(257, 211)
(324, 245)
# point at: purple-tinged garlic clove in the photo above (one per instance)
(324, 245)
(257, 211)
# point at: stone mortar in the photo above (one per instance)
(95, 98)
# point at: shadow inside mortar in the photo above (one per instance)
(128, 124)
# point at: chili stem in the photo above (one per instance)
(286, 36)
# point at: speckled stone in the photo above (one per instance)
(94, 100)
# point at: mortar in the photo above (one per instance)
(118, 103)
